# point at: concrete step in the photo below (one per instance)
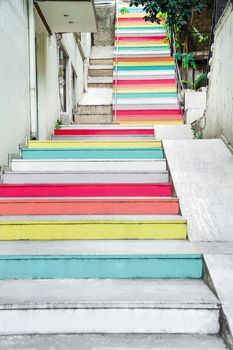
(100, 70)
(92, 153)
(100, 82)
(63, 206)
(112, 341)
(102, 61)
(92, 227)
(88, 165)
(94, 111)
(95, 306)
(94, 118)
(56, 177)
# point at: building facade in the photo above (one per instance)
(43, 67)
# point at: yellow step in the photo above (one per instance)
(95, 144)
(93, 229)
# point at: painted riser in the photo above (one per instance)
(75, 178)
(104, 132)
(90, 166)
(108, 266)
(56, 153)
(94, 206)
(82, 190)
(94, 144)
(92, 229)
(107, 320)
(104, 138)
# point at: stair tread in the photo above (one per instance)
(143, 293)
(100, 80)
(110, 341)
(94, 218)
(101, 66)
(102, 247)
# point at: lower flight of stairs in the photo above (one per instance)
(92, 241)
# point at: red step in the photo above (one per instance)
(86, 190)
(104, 132)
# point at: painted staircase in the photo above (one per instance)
(144, 72)
(92, 237)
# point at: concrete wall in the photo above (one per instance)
(219, 114)
(105, 15)
(14, 77)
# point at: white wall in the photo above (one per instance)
(47, 76)
(14, 77)
(219, 114)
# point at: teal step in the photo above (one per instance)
(188, 266)
(129, 68)
(145, 94)
(93, 153)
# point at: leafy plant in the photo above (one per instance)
(178, 12)
(124, 10)
(58, 124)
(187, 60)
(197, 83)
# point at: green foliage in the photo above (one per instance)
(187, 60)
(178, 12)
(58, 124)
(197, 83)
(199, 37)
(124, 10)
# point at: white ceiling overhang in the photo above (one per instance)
(67, 16)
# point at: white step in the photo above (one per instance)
(87, 165)
(108, 217)
(34, 177)
(101, 70)
(100, 81)
(112, 342)
(141, 53)
(107, 306)
(146, 75)
(91, 117)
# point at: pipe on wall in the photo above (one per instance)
(32, 71)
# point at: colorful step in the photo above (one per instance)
(112, 266)
(92, 153)
(94, 144)
(93, 227)
(62, 206)
(103, 132)
(85, 190)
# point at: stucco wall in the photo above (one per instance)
(105, 15)
(14, 77)
(219, 114)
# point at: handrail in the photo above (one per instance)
(178, 74)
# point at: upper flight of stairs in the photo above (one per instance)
(144, 72)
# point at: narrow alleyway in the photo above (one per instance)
(118, 235)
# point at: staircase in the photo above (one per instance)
(96, 104)
(144, 72)
(94, 248)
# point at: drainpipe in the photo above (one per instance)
(32, 71)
